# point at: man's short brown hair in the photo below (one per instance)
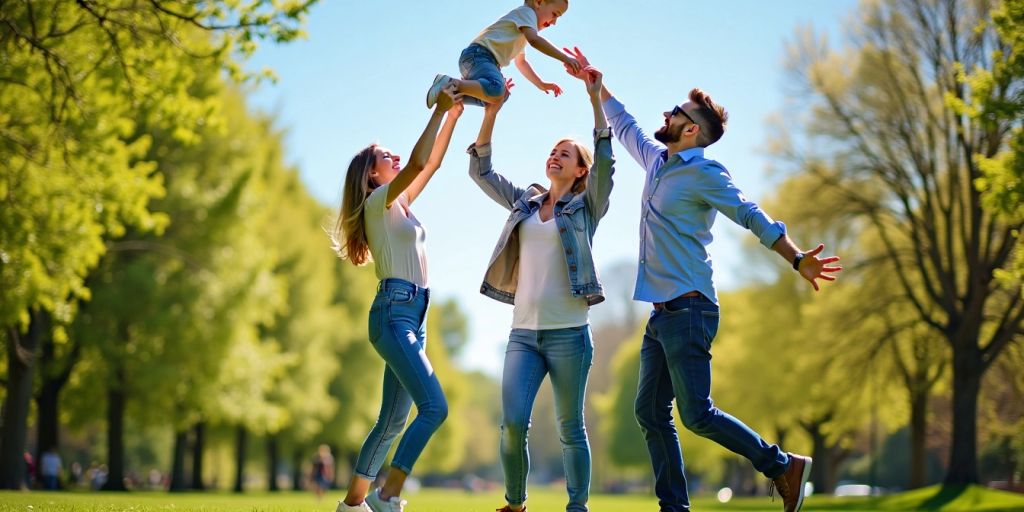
(711, 117)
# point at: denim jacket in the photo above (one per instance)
(576, 216)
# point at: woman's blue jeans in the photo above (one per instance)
(565, 355)
(398, 333)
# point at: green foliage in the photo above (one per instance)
(72, 79)
(483, 414)
(307, 327)
(451, 326)
(625, 442)
(998, 96)
(447, 448)
(913, 127)
(182, 312)
(356, 384)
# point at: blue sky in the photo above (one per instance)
(362, 73)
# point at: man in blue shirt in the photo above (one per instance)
(683, 192)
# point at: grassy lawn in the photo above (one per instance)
(435, 500)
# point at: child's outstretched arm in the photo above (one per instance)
(544, 46)
(526, 69)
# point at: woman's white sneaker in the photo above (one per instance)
(379, 504)
(344, 507)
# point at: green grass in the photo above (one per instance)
(543, 500)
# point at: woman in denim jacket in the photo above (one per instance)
(376, 220)
(543, 266)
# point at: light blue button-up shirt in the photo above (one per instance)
(681, 196)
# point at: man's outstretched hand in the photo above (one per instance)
(813, 268)
(582, 59)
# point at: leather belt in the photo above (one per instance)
(689, 295)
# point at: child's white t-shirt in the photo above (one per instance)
(503, 37)
(396, 238)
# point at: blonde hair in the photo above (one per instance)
(538, 3)
(584, 158)
(348, 238)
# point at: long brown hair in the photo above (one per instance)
(584, 159)
(349, 234)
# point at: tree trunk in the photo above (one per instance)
(836, 455)
(240, 440)
(963, 455)
(827, 459)
(115, 431)
(21, 356)
(54, 375)
(197, 456)
(178, 461)
(819, 453)
(47, 402)
(918, 432)
(297, 457)
(272, 463)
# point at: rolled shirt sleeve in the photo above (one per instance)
(719, 191)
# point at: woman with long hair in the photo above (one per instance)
(543, 266)
(376, 223)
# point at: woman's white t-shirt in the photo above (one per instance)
(542, 298)
(397, 239)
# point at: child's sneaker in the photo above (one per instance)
(435, 89)
(378, 504)
(344, 507)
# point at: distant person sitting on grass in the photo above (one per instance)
(323, 471)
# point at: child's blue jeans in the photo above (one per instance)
(478, 63)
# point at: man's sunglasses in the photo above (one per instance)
(679, 110)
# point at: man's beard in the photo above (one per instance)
(666, 135)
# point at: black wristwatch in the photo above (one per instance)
(796, 261)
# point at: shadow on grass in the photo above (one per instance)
(946, 495)
(948, 498)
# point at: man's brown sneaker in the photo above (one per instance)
(791, 484)
(508, 508)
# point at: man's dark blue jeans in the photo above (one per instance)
(675, 362)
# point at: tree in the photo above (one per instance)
(353, 385)
(884, 132)
(451, 326)
(882, 335)
(618, 426)
(176, 320)
(447, 447)
(73, 76)
(1002, 180)
(305, 328)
